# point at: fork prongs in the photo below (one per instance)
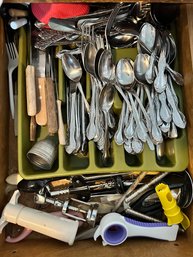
(12, 65)
(11, 50)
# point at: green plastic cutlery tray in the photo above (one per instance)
(176, 153)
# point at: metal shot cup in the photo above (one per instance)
(44, 153)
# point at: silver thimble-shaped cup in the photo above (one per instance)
(44, 153)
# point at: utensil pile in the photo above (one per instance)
(92, 206)
(150, 112)
(114, 205)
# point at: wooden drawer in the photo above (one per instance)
(40, 246)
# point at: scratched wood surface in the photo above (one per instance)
(186, 60)
(4, 117)
(133, 247)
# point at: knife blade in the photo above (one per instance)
(61, 127)
(39, 61)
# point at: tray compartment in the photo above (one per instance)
(175, 158)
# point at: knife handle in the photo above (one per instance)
(41, 116)
(61, 129)
(33, 126)
(18, 13)
(52, 122)
(31, 90)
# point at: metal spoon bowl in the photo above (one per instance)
(120, 40)
(125, 77)
(148, 35)
(106, 67)
(143, 47)
(106, 97)
(141, 66)
(73, 71)
(124, 72)
(90, 52)
(71, 67)
(125, 27)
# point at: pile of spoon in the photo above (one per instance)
(150, 110)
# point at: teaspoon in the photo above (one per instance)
(106, 100)
(73, 71)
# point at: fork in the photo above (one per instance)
(12, 65)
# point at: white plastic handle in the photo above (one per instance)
(45, 223)
(16, 24)
(115, 229)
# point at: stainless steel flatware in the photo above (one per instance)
(12, 65)
(39, 62)
(106, 100)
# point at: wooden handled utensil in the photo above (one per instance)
(52, 121)
(40, 61)
(31, 89)
(31, 99)
(18, 13)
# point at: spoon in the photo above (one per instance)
(119, 137)
(105, 63)
(148, 35)
(125, 76)
(160, 81)
(91, 130)
(90, 52)
(177, 116)
(120, 40)
(165, 112)
(141, 65)
(73, 71)
(173, 48)
(128, 28)
(173, 133)
(123, 35)
(146, 44)
(124, 72)
(106, 100)
(106, 67)
(71, 146)
(168, 43)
